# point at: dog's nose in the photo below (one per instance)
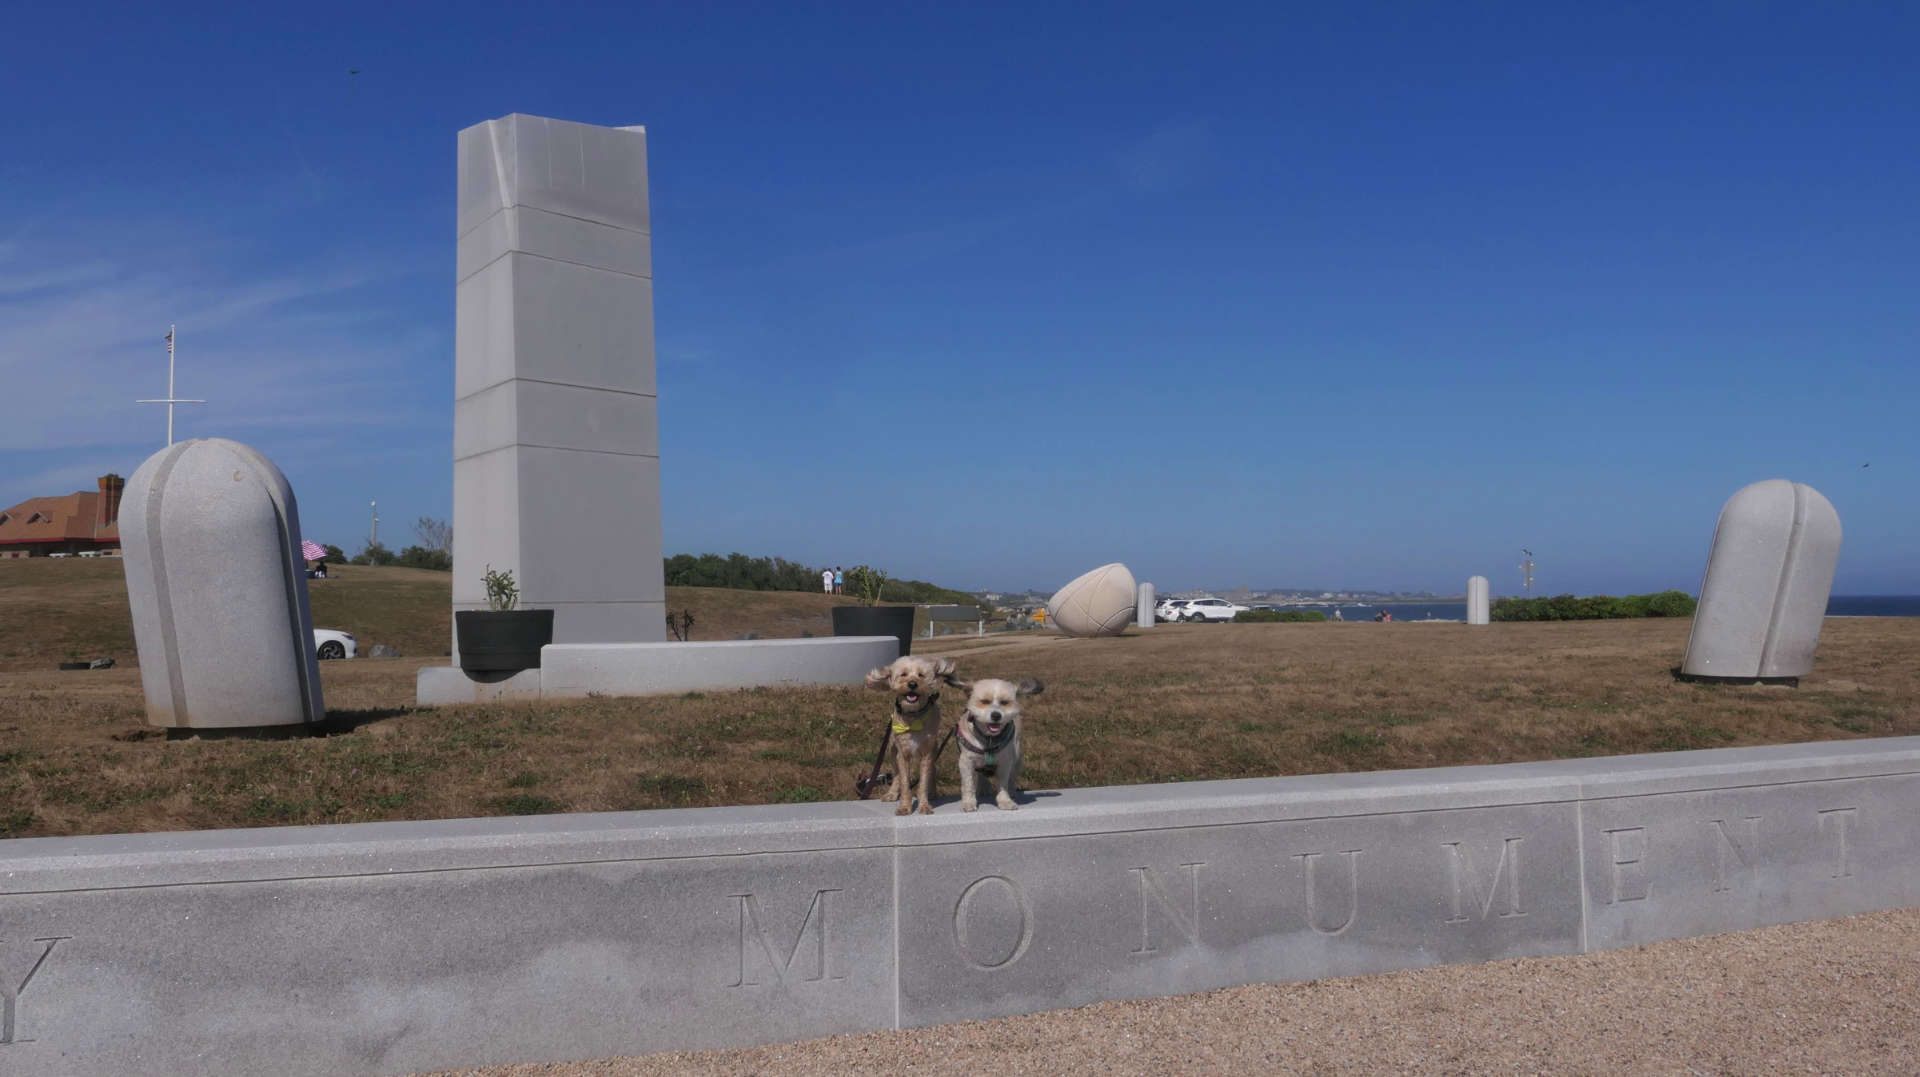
(995, 716)
(913, 686)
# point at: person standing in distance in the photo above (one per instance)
(826, 580)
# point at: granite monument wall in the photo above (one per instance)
(403, 947)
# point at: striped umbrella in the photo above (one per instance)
(313, 551)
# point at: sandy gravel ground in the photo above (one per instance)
(1835, 997)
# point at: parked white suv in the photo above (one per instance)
(1169, 609)
(1209, 609)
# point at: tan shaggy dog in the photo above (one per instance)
(915, 684)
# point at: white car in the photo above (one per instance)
(1169, 609)
(1209, 609)
(333, 643)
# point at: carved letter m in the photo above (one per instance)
(1466, 885)
(753, 928)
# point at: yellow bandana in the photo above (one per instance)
(901, 725)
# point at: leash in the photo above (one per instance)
(864, 786)
(876, 777)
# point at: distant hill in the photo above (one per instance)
(52, 607)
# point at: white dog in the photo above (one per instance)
(989, 737)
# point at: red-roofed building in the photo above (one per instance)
(80, 523)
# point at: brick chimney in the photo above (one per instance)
(108, 513)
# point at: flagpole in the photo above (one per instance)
(171, 330)
(170, 400)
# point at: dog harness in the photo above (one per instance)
(986, 750)
(900, 723)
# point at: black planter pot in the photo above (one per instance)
(76, 665)
(493, 641)
(896, 621)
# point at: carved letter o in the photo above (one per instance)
(961, 917)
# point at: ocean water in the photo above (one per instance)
(1873, 606)
(1837, 606)
(1402, 611)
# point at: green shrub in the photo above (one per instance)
(742, 573)
(374, 554)
(421, 557)
(1270, 616)
(1593, 607)
(1671, 604)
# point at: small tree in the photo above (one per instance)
(335, 555)
(867, 582)
(434, 534)
(374, 554)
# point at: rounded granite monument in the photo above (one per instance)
(210, 537)
(1096, 603)
(1769, 575)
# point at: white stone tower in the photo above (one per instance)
(556, 452)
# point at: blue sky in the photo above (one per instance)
(1333, 295)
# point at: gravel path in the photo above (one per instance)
(1838, 996)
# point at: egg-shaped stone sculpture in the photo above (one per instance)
(1097, 603)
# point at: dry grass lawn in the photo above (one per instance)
(1177, 703)
(52, 610)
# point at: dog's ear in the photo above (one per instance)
(943, 669)
(1030, 688)
(879, 679)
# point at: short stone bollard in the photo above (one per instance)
(211, 540)
(1143, 609)
(1769, 575)
(1479, 608)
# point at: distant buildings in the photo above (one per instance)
(87, 524)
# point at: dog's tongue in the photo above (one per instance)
(912, 697)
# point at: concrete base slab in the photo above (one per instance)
(440, 686)
(578, 670)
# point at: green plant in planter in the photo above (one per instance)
(503, 636)
(868, 583)
(502, 593)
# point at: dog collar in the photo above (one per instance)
(998, 742)
(900, 723)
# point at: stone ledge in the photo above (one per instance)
(579, 670)
(403, 947)
(572, 670)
